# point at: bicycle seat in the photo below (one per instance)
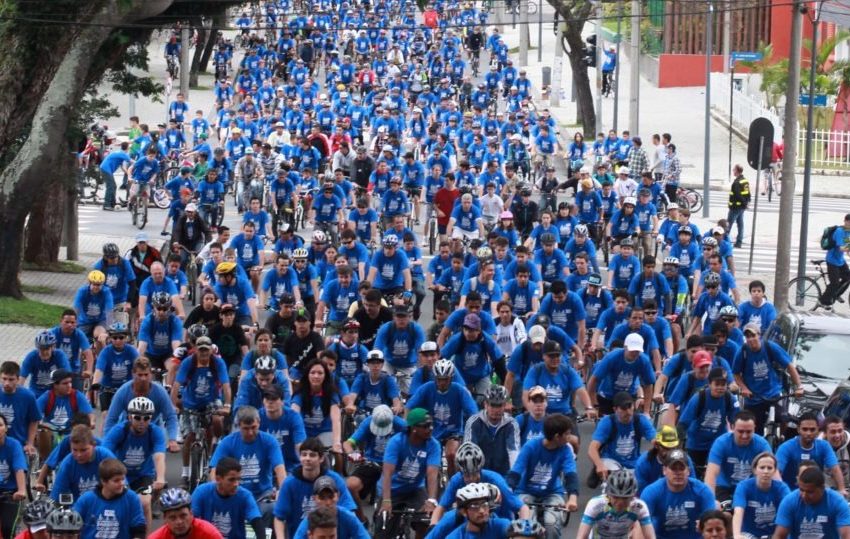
(817, 262)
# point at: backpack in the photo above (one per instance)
(703, 392)
(51, 402)
(827, 239)
(612, 437)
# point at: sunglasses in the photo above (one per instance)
(118, 337)
(163, 309)
(711, 286)
(142, 417)
(538, 399)
(427, 425)
(650, 313)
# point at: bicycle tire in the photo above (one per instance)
(192, 284)
(142, 218)
(132, 206)
(810, 290)
(196, 464)
(32, 476)
(532, 7)
(161, 198)
(432, 236)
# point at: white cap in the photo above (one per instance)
(537, 335)
(634, 343)
(428, 346)
(624, 170)
(718, 230)
(672, 206)
(586, 169)
(191, 207)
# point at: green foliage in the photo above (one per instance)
(774, 81)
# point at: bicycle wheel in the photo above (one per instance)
(161, 198)
(197, 461)
(810, 293)
(133, 216)
(32, 475)
(192, 284)
(532, 7)
(141, 214)
(432, 236)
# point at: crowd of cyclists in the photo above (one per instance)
(328, 403)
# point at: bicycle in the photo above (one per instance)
(537, 510)
(191, 271)
(200, 450)
(808, 290)
(139, 210)
(773, 179)
(404, 528)
(213, 214)
(433, 233)
(172, 66)
(782, 410)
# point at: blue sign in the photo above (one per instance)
(820, 100)
(739, 56)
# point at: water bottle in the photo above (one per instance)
(249, 532)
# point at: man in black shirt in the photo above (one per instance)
(230, 338)
(371, 315)
(303, 345)
(282, 323)
(361, 168)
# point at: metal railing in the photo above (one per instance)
(830, 149)
(745, 108)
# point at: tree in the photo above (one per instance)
(575, 13)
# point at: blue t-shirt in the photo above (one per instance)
(247, 251)
(295, 498)
(160, 334)
(75, 478)
(565, 315)
(239, 294)
(373, 446)
(835, 256)
(710, 305)
(449, 410)
(616, 374)
(821, 520)
(92, 308)
(136, 451)
(39, 371)
(390, 270)
(560, 386)
(623, 270)
(12, 460)
(735, 461)
(116, 365)
(348, 527)
(712, 421)
(466, 220)
(228, 514)
(400, 345)
(72, 345)
(624, 447)
(759, 506)
(339, 298)
(521, 296)
(473, 359)
(791, 453)
(750, 314)
(63, 408)
(118, 278)
(542, 471)
(363, 223)
(259, 458)
(675, 514)
(411, 463)
(20, 410)
(758, 369)
(149, 287)
(109, 518)
(370, 394)
(315, 420)
(201, 386)
(289, 432)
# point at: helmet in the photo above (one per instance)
(506, 215)
(161, 300)
(526, 528)
(622, 484)
(225, 268)
(543, 321)
(444, 368)
(484, 253)
(64, 521)
(496, 395)
(469, 458)
(37, 511)
(45, 339)
(319, 236)
(581, 230)
(729, 310)
(671, 261)
(299, 253)
(197, 330)
(390, 241)
(96, 277)
(708, 241)
(382, 420)
(547, 237)
(140, 405)
(629, 200)
(110, 250)
(472, 492)
(712, 278)
(351, 324)
(174, 498)
(118, 328)
(627, 242)
(265, 364)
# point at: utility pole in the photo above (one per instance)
(807, 166)
(599, 56)
(706, 163)
(557, 69)
(634, 76)
(523, 32)
(619, 61)
(185, 61)
(786, 199)
(540, 33)
(727, 37)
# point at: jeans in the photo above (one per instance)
(736, 217)
(109, 196)
(839, 277)
(553, 520)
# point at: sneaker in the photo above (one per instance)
(163, 233)
(179, 437)
(109, 208)
(839, 299)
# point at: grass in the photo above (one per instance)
(29, 312)
(62, 266)
(37, 289)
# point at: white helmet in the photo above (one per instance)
(319, 236)
(140, 405)
(671, 261)
(381, 423)
(444, 368)
(472, 492)
(630, 200)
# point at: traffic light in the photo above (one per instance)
(590, 51)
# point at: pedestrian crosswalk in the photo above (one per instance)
(837, 206)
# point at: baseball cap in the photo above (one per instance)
(60, 374)
(141, 237)
(381, 423)
(324, 483)
(428, 346)
(472, 321)
(401, 310)
(701, 359)
(551, 348)
(752, 327)
(717, 373)
(287, 299)
(675, 456)
(191, 207)
(226, 307)
(302, 314)
(417, 416)
(621, 398)
(203, 342)
(537, 335)
(537, 391)
(667, 437)
(718, 230)
(633, 343)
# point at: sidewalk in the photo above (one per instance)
(678, 111)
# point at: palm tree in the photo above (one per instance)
(774, 74)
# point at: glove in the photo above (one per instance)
(179, 352)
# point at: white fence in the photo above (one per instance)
(830, 149)
(745, 108)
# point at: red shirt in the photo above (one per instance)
(445, 201)
(201, 529)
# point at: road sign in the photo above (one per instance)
(739, 56)
(820, 100)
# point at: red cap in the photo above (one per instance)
(701, 359)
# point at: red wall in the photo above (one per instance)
(685, 69)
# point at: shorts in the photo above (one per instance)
(333, 328)
(413, 191)
(105, 397)
(141, 483)
(368, 473)
(190, 423)
(158, 361)
(88, 329)
(441, 229)
(458, 233)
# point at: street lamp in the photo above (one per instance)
(807, 165)
(709, 28)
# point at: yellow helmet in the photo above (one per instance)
(225, 268)
(96, 277)
(340, 87)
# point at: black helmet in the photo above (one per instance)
(161, 300)
(110, 250)
(197, 330)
